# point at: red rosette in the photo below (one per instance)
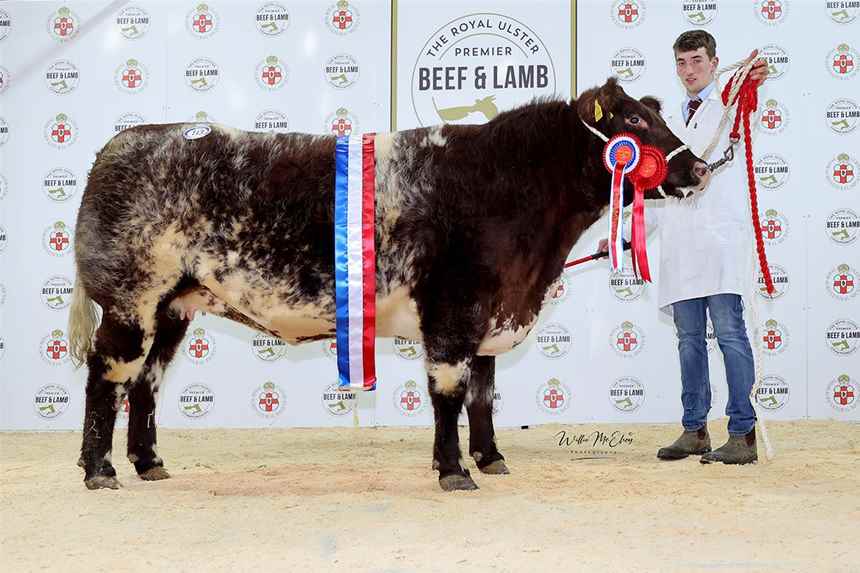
(652, 168)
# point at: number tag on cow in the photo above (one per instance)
(197, 132)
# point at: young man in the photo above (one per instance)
(705, 264)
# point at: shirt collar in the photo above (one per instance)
(702, 95)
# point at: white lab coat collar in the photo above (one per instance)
(709, 91)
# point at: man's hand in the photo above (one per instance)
(759, 70)
(603, 246)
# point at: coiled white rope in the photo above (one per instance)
(739, 77)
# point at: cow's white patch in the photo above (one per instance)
(448, 376)
(434, 137)
(119, 393)
(120, 371)
(501, 339)
(483, 394)
(397, 315)
(382, 145)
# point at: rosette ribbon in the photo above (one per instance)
(646, 167)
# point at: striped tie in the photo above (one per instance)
(692, 106)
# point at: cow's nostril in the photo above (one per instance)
(701, 169)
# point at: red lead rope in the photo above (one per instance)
(747, 103)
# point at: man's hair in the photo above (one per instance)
(693, 40)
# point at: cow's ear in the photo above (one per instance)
(652, 102)
(598, 103)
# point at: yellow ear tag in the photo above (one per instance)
(598, 111)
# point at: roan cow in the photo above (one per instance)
(473, 224)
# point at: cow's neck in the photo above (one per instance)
(587, 200)
(575, 188)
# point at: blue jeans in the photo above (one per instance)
(726, 312)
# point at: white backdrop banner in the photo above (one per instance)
(73, 74)
(806, 146)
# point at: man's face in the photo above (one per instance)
(695, 69)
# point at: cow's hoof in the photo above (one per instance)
(154, 474)
(102, 482)
(457, 482)
(497, 467)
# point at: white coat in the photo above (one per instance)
(706, 241)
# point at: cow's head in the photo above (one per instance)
(611, 111)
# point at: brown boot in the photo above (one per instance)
(694, 442)
(738, 450)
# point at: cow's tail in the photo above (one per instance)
(83, 320)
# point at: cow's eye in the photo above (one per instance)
(637, 122)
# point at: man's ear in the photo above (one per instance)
(598, 103)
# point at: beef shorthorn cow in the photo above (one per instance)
(473, 224)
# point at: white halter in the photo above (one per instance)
(669, 157)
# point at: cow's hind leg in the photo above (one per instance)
(479, 405)
(142, 398)
(121, 347)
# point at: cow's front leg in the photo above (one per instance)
(479, 405)
(447, 384)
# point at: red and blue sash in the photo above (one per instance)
(355, 261)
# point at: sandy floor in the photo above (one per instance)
(366, 500)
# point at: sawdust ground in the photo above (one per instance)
(367, 500)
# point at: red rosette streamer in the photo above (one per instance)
(650, 173)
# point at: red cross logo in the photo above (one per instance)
(844, 395)
(57, 349)
(771, 10)
(843, 173)
(627, 341)
(59, 241)
(198, 348)
(130, 77)
(60, 132)
(272, 75)
(628, 12)
(64, 26)
(773, 228)
(269, 402)
(553, 398)
(843, 64)
(341, 127)
(844, 284)
(773, 339)
(410, 400)
(342, 19)
(771, 119)
(202, 23)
